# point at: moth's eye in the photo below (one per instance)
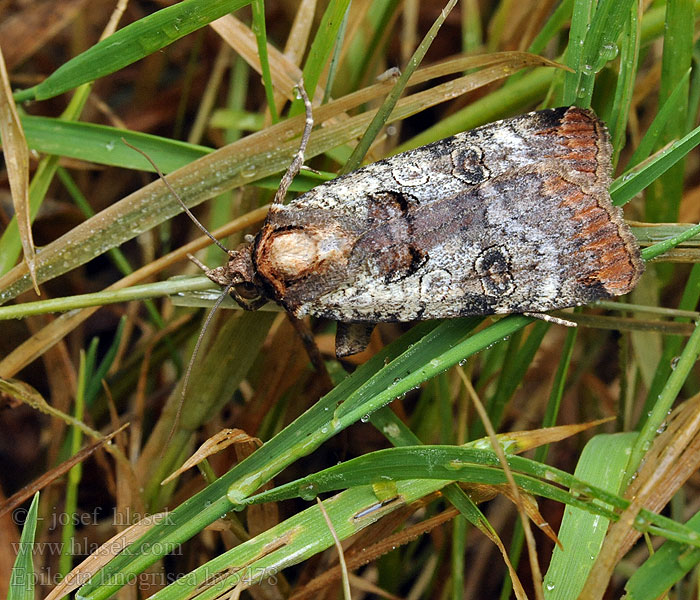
(246, 290)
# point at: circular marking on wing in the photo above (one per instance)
(493, 267)
(468, 165)
(410, 175)
(435, 284)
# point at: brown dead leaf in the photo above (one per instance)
(520, 441)
(216, 443)
(16, 152)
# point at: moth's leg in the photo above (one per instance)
(351, 338)
(550, 319)
(311, 348)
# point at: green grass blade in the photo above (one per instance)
(560, 17)
(676, 99)
(658, 249)
(98, 375)
(662, 407)
(103, 145)
(689, 300)
(624, 188)
(442, 463)
(663, 201)
(23, 577)
(624, 89)
(514, 369)
(581, 534)
(581, 16)
(335, 58)
(389, 103)
(595, 29)
(364, 50)
(321, 49)
(386, 421)
(75, 474)
(668, 565)
(261, 38)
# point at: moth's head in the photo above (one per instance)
(239, 275)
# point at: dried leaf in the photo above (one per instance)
(214, 444)
(16, 153)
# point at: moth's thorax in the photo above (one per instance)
(284, 256)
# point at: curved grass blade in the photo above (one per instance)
(624, 188)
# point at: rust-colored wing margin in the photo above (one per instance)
(606, 245)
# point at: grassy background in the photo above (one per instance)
(214, 105)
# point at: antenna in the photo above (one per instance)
(291, 172)
(195, 220)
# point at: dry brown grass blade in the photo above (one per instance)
(105, 553)
(38, 484)
(297, 41)
(673, 458)
(516, 496)
(339, 548)
(520, 441)
(16, 153)
(216, 443)
(361, 553)
(366, 554)
(617, 323)
(529, 503)
(285, 74)
(26, 394)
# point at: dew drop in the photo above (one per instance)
(308, 491)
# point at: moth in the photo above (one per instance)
(511, 217)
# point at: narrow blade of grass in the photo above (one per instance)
(387, 107)
(651, 137)
(624, 188)
(22, 578)
(581, 534)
